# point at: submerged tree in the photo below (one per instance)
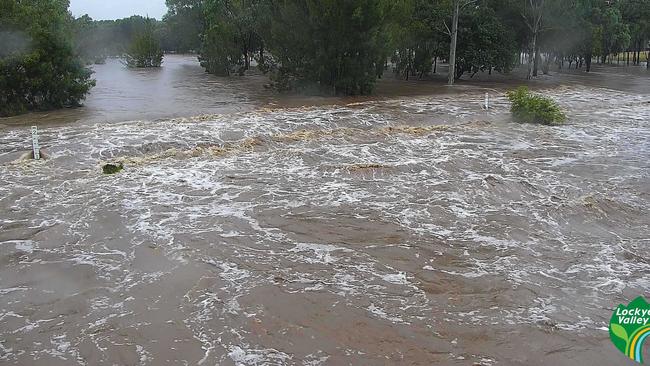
(38, 67)
(531, 108)
(183, 25)
(232, 35)
(533, 12)
(337, 46)
(485, 44)
(615, 34)
(636, 14)
(145, 50)
(457, 6)
(415, 38)
(343, 46)
(87, 42)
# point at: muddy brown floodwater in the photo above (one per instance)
(412, 230)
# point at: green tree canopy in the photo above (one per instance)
(416, 35)
(484, 43)
(334, 45)
(38, 66)
(183, 25)
(145, 49)
(232, 34)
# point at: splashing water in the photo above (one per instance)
(412, 231)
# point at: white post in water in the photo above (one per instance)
(37, 149)
(487, 101)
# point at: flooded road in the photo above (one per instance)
(412, 230)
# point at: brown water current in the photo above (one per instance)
(410, 230)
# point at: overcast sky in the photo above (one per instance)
(116, 9)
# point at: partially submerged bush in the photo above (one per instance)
(530, 108)
(112, 168)
(145, 49)
(39, 69)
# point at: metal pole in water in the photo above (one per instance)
(37, 149)
(487, 101)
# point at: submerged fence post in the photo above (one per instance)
(487, 101)
(37, 149)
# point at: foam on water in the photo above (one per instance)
(424, 213)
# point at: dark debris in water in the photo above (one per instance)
(362, 167)
(112, 168)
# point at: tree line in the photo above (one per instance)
(95, 40)
(343, 46)
(331, 46)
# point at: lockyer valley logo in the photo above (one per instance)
(629, 328)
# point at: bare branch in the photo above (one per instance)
(526, 21)
(466, 3)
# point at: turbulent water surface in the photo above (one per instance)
(417, 230)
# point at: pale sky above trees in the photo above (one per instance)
(116, 9)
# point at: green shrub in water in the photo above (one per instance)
(112, 168)
(530, 108)
(145, 49)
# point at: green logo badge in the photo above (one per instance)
(629, 328)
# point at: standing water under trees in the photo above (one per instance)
(329, 46)
(38, 66)
(144, 50)
(343, 46)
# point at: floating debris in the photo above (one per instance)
(362, 167)
(112, 168)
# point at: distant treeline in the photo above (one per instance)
(343, 46)
(331, 46)
(97, 39)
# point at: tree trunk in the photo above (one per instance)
(628, 57)
(459, 72)
(531, 55)
(452, 48)
(536, 62)
(546, 66)
(588, 61)
(435, 64)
